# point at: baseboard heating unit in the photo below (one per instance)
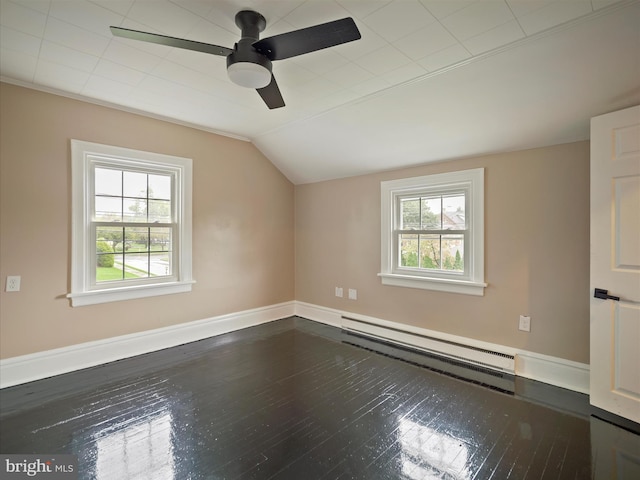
(459, 352)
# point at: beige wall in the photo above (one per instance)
(536, 252)
(242, 223)
(536, 239)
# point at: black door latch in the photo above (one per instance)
(603, 294)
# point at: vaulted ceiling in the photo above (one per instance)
(430, 80)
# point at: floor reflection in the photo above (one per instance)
(427, 453)
(141, 450)
(615, 452)
(134, 431)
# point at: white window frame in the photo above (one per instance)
(85, 157)
(471, 281)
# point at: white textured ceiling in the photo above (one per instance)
(429, 80)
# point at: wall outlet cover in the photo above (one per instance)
(13, 283)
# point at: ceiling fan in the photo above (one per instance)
(249, 61)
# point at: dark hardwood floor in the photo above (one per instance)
(294, 399)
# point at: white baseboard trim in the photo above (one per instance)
(553, 370)
(27, 368)
(328, 316)
(36, 366)
(543, 368)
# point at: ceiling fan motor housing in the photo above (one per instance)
(251, 24)
(248, 54)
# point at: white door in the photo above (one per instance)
(615, 262)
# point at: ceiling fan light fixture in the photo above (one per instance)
(248, 74)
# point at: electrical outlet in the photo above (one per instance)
(13, 283)
(525, 323)
(339, 292)
(353, 294)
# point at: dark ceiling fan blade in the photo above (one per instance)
(171, 41)
(271, 94)
(306, 40)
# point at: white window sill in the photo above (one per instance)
(430, 283)
(92, 297)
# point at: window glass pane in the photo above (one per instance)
(111, 236)
(136, 239)
(108, 182)
(160, 211)
(137, 264)
(160, 264)
(160, 239)
(134, 184)
(134, 210)
(430, 251)
(453, 217)
(160, 187)
(108, 209)
(105, 254)
(410, 213)
(453, 253)
(431, 212)
(109, 267)
(408, 250)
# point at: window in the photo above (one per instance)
(433, 232)
(131, 230)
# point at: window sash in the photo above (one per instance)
(92, 264)
(421, 193)
(134, 166)
(429, 272)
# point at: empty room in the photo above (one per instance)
(321, 239)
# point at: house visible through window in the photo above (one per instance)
(132, 224)
(433, 232)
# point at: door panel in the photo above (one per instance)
(615, 262)
(627, 222)
(627, 355)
